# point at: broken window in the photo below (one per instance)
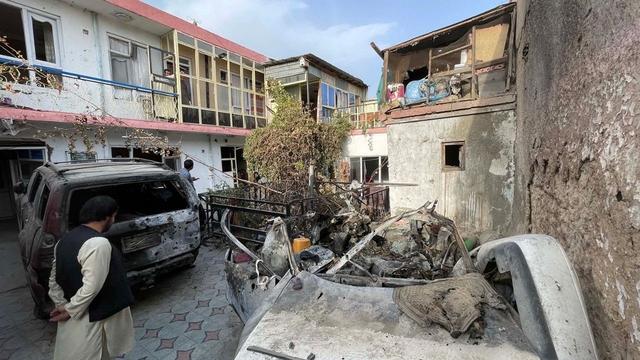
(43, 38)
(129, 62)
(44, 199)
(11, 27)
(134, 199)
(453, 156)
(34, 42)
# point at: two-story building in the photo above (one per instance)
(87, 79)
(327, 90)
(450, 117)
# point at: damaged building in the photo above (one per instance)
(450, 99)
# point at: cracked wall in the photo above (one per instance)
(577, 151)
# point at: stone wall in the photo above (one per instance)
(578, 151)
(480, 197)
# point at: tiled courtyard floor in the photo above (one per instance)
(185, 316)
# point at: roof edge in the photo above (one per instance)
(323, 64)
(160, 16)
(489, 13)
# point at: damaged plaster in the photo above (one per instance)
(479, 197)
(576, 151)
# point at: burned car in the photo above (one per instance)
(405, 287)
(156, 229)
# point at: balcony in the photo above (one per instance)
(364, 115)
(463, 66)
(216, 86)
(52, 89)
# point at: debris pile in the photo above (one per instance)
(418, 244)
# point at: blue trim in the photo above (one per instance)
(93, 79)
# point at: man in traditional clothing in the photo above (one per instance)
(88, 285)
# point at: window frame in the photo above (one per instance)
(462, 150)
(361, 171)
(131, 43)
(27, 15)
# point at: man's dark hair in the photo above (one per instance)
(97, 209)
(188, 164)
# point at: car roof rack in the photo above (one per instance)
(102, 162)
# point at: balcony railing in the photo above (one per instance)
(53, 89)
(364, 115)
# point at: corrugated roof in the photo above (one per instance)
(322, 64)
(154, 14)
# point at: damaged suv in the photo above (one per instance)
(157, 227)
(406, 287)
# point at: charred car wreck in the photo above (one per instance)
(157, 227)
(405, 287)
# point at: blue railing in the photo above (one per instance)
(68, 74)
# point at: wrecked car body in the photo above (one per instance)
(157, 225)
(409, 289)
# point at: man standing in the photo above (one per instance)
(185, 172)
(88, 285)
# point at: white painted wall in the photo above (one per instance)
(83, 49)
(361, 145)
(200, 147)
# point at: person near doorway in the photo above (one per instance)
(88, 285)
(185, 172)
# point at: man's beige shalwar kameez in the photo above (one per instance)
(77, 338)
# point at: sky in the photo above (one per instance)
(338, 31)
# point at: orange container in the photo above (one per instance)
(300, 244)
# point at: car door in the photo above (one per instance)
(28, 224)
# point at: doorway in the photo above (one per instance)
(16, 165)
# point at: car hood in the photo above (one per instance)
(335, 321)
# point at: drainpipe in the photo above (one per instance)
(98, 45)
(306, 76)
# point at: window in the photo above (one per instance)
(34, 185)
(43, 39)
(223, 98)
(328, 95)
(236, 105)
(248, 84)
(44, 198)
(120, 152)
(235, 80)
(373, 169)
(171, 159)
(32, 37)
(248, 103)
(453, 156)
(223, 76)
(129, 62)
(28, 161)
(11, 27)
(82, 156)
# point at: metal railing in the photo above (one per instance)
(53, 89)
(251, 207)
(364, 115)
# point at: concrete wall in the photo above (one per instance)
(83, 49)
(480, 197)
(577, 151)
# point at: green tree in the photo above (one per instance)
(284, 150)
